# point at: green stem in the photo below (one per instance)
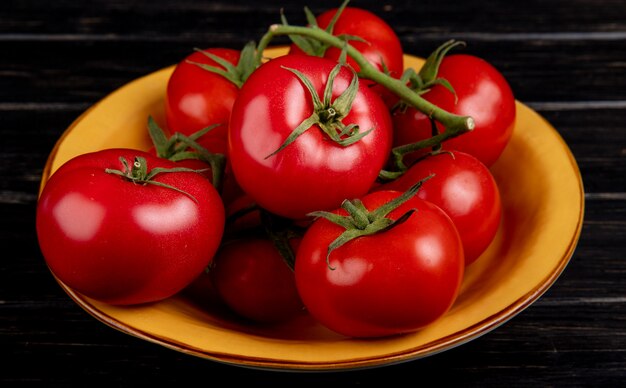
(454, 124)
(361, 222)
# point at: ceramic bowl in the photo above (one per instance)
(543, 205)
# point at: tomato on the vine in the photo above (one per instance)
(397, 280)
(368, 33)
(480, 91)
(305, 134)
(464, 188)
(125, 227)
(197, 98)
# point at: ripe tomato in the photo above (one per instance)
(395, 281)
(464, 188)
(313, 172)
(197, 98)
(124, 242)
(379, 42)
(482, 92)
(252, 279)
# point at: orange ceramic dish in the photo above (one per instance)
(543, 202)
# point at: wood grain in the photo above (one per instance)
(565, 59)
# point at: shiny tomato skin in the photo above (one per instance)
(197, 98)
(465, 189)
(252, 279)
(483, 93)
(393, 282)
(312, 173)
(126, 243)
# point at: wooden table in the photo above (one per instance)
(565, 59)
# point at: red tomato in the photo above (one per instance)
(392, 282)
(483, 93)
(124, 242)
(197, 98)
(464, 188)
(380, 44)
(313, 172)
(252, 279)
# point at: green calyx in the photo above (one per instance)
(138, 173)
(181, 147)
(361, 222)
(427, 77)
(327, 113)
(237, 74)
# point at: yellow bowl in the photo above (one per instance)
(543, 201)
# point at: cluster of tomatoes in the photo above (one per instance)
(281, 182)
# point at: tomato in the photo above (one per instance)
(252, 279)
(124, 242)
(314, 172)
(378, 43)
(482, 92)
(395, 281)
(197, 98)
(464, 188)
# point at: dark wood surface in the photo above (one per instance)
(565, 59)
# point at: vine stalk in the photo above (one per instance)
(455, 125)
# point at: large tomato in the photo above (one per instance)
(395, 281)
(480, 91)
(253, 280)
(313, 172)
(127, 242)
(197, 98)
(464, 188)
